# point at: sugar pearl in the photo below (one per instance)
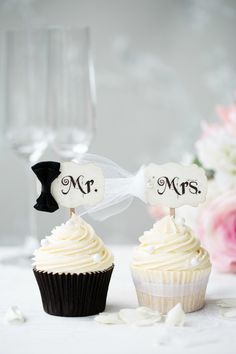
(44, 242)
(194, 262)
(96, 257)
(150, 249)
(180, 221)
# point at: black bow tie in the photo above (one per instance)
(46, 172)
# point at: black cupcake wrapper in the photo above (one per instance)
(74, 295)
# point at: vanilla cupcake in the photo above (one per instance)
(169, 267)
(73, 270)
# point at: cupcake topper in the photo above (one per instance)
(171, 184)
(174, 185)
(46, 172)
(68, 184)
(97, 186)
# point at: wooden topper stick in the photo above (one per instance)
(172, 212)
(72, 211)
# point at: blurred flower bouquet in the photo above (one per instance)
(215, 220)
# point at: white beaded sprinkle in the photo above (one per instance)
(180, 221)
(96, 257)
(44, 242)
(194, 262)
(150, 249)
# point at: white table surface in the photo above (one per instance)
(205, 331)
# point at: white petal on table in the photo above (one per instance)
(14, 316)
(176, 316)
(142, 316)
(231, 302)
(146, 311)
(108, 318)
(228, 312)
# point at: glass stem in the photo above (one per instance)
(32, 228)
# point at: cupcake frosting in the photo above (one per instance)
(170, 245)
(72, 247)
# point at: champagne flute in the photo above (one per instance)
(71, 91)
(27, 130)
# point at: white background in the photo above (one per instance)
(161, 67)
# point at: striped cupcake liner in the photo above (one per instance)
(73, 295)
(163, 290)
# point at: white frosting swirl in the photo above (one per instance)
(170, 245)
(72, 247)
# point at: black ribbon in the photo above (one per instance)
(46, 172)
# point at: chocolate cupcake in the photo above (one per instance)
(73, 270)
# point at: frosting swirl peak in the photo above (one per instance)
(72, 247)
(170, 245)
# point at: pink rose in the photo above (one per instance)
(158, 212)
(217, 231)
(210, 129)
(216, 149)
(228, 115)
